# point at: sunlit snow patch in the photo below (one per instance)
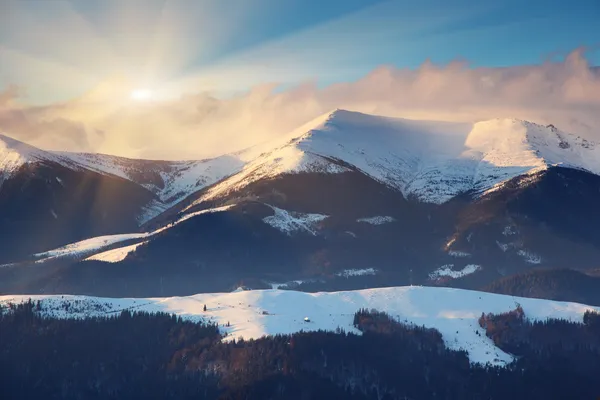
(87, 246)
(378, 220)
(115, 255)
(191, 215)
(289, 221)
(93, 245)
(448, 271)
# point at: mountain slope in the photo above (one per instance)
(554, 284)
(45, 205)
(415, 201)
(49, 199)
(430, 161)
(169, 181)
(252, 314)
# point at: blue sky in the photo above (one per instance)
(231, 45)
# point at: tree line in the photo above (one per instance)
(137, 355)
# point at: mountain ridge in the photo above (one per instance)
(452, 204)
(432, 161)
(428, 160)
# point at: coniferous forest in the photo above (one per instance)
(138, 355)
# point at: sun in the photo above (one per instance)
(141, 94)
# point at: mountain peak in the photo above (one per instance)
(8, 143)
(14, 153)
(341, 113)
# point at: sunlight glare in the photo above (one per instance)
(141, 94)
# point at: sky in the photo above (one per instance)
(191, 79)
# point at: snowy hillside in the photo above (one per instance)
(252, 314)
(14, 154)
(170, 181)
(92, 248)
(115, 255)
(433, 161)
(86, 247)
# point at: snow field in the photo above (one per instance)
(256, 313)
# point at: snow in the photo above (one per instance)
(275, 285)
(448, 271)
(285, 160)
(185, 217)
(450, 242)
(14, 154)
(115, 255)
(171, 181)
(459, 254)
(357, 272)
(530, 257)
(256, 313)
(509, 231)
(504, 246)
(95, 245)
(289, 221)
(378, 220)
(87, 246)
(432, 161)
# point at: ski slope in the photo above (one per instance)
(253, 314)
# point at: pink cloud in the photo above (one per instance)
(199, 125)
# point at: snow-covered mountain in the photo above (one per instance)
(431, 161)
(170, 181)
(417, 201)
(253, 314)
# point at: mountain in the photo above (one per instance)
(421, 202)
(429, 161)
(49, 199)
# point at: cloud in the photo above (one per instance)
(199, 124)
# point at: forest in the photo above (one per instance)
(137, 355)
(554, 284)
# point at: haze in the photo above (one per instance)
(185, 80)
